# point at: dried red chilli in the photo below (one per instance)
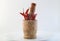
(26, 17)
(27, 11)
(33, 16)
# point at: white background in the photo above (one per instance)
(11, 21)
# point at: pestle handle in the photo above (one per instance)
(32, 8)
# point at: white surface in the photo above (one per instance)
(45, 36)
(48, 16)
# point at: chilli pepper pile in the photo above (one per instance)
(30, 15)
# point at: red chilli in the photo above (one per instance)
(26, 17)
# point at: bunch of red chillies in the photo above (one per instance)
(26, 15)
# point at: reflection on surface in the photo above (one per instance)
(27, 40)
(33, 40)
(19, 37)
(37, 39)
(40, 37)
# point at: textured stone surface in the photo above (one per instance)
(30, 28)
